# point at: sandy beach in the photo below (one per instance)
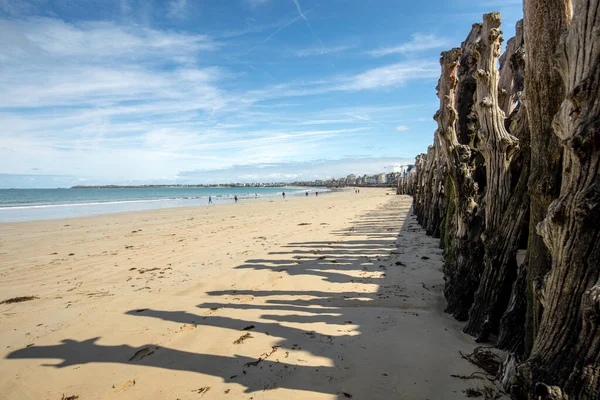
(328, 297)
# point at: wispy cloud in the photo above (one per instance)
(363, 117)
(390, 76)
(402, 128)
(256, 3)
(16, 8)
(176, 8)
(418, 42)
(52, 39)
(155, 102)
(320, 51)
(108, 63)
(387, 77)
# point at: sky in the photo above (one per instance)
(99, 92)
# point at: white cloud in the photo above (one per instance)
(402, 128)
(389, 76)
(383, 78)
(418, 42)
(50, 39)
(107, 64)
(114, 103)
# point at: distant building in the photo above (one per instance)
(351, 179)
(405, 169)
(381, 179)
(372, 179)
(392, 178)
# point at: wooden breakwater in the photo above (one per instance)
(515, 165)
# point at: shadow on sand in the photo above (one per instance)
(364, 258)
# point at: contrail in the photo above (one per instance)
(306, 20)
(367, 118)
(282, 27)
(274, 33)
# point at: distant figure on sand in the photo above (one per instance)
(210, 200)
(317, 194)
(283, 194)
(235, 198)
(307, 193)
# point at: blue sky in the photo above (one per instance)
(206, 91)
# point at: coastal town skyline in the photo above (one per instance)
(380, 179)
(323, 171)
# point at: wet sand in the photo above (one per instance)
(332, 297)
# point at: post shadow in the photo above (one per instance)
(381, 228)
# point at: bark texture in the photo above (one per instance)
(427, 184)
(566, 350)
(461, 240)
(545, 21)
(506, 192)
(512, 332)
(436, 210)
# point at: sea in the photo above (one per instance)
(39, 204)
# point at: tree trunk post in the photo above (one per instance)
(566, 350)
(505, 202)
(545, 21)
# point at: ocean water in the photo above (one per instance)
(36, 204)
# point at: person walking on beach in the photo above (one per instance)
(235, 198)
(317, 194)
(209, 199)
(283, 194)
(307, 193)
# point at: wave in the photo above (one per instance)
(241, 196)
(94, 203)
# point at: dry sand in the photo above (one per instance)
(332, 297)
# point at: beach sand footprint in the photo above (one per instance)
(243, 338)
(143, 352)
(186, 328)
(202, 391)
(212, 310)
(124, 385)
